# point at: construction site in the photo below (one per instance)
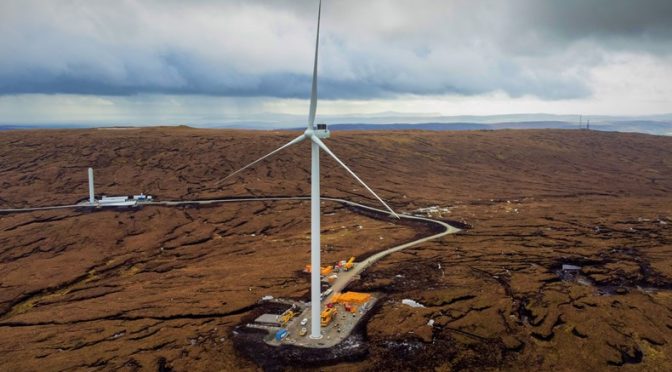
(340, 312)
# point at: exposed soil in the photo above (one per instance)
(163, 287)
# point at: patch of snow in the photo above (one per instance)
(411, 303)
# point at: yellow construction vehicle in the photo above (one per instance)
(349, 264)
(327, 316)
(286, 317)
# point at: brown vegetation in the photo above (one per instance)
(162, 287)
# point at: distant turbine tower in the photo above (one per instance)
(314, 133)
(92, 195)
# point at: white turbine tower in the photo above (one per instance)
(314, 134)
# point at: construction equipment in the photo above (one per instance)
(344, 265)
(350, 307)
(327, 316)
(324, 271)
(351, 297)
(286, 317)
(326, 293)
(349, 264)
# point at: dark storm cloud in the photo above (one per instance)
(369, 49)
(605, 19)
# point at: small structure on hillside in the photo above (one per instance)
(116, 201)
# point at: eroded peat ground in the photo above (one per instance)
(163, 287)
(130, 288)
(499, 296)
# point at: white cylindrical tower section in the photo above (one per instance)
(315, 290)
(92, 197)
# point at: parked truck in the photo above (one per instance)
(282, 333)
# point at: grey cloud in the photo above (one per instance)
(369, 49)
(603, 18)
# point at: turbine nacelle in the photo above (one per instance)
(320, 131)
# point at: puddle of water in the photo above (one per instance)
(566, 267)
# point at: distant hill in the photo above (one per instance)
(44, 126)
(659, 125)
(641, 126)
(16, 127)
(406, 126)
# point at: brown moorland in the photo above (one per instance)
(163, 287)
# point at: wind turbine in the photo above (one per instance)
(315, 134)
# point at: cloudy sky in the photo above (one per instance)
(209, 62)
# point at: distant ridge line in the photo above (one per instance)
(451, 126)
(638, 126)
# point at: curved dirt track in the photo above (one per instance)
(343, 280)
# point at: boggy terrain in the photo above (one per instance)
(163, 287)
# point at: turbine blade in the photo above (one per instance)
(313, 92)
(326, 149)
(292, 142)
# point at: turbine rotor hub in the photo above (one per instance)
(319, 131)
